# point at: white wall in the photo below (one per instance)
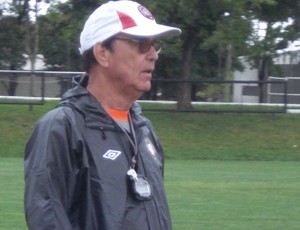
(248, 74)
(38, 65)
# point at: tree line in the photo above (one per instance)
(215, 34)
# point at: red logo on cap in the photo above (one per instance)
(127, 21)
(145, 12)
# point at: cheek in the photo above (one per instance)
(127, 67)
(130, 67)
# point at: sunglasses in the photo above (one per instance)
(144, 45)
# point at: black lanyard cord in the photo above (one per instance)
(133, 142)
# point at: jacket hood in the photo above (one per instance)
(79, 84)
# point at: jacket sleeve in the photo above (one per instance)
(50, 173)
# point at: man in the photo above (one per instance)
(94, 162)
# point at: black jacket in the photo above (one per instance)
(75, 170)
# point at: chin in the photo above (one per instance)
(147, 88)
(141, 91)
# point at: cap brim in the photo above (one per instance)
(152, 31)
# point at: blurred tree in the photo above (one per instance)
(233, 28)
(60, 34)
(214, 34)
(275, 15)
(206, 35)
(11, 43)
(11, 50)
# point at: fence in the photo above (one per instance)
(32, 88)
(26, 87)
(275, 92)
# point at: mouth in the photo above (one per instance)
(148, 72)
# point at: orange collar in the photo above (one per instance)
(118, 114)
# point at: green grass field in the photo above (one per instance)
(223, 171)
(231, 195)
(210, 195)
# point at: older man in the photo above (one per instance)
(94, 162)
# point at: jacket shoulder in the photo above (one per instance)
(58, 117)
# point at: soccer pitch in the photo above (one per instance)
(202, 194)
(227, 195)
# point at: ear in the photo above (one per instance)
(101, 54)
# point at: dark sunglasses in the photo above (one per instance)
(144, 45)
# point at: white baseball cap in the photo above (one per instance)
(124, 16)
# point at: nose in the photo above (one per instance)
(153, 54)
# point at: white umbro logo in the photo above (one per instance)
(112, 154)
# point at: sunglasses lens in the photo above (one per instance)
(145, 46)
